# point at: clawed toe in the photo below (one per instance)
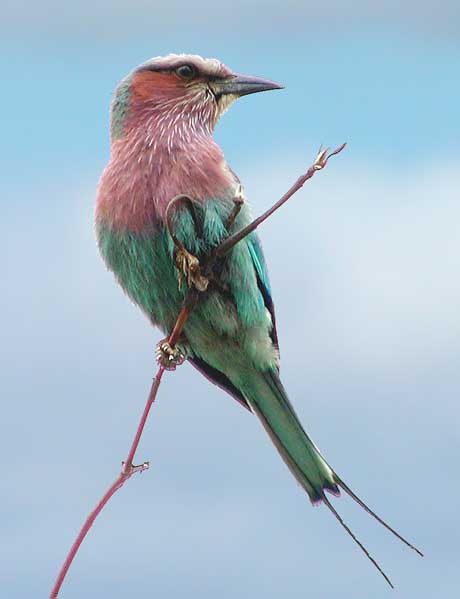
(169, 357)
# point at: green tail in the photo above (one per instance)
(268, 400)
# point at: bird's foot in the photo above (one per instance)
(189, 267)
(169, 357)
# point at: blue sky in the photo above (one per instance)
(365, 269)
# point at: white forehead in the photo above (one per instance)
(208, 66)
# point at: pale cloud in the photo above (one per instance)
(373, 261)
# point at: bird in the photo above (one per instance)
(162, 119)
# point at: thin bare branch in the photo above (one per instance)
(128, 469)
(320, 162)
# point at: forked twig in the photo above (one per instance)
(190, 268)
(320, 162)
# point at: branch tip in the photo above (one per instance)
(337, 150)
(324, 155)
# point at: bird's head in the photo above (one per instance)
(178, 96)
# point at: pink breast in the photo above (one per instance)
(139, 181)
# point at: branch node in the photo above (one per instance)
(324, 155)
(238, 201)
(128, 470)
(321, 159)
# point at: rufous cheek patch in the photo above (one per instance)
(148, 84)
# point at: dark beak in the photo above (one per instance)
(242, 85)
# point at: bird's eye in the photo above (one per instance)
(186, 71)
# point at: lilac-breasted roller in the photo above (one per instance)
(162, 119)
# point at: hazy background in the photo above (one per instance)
(365, 269)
